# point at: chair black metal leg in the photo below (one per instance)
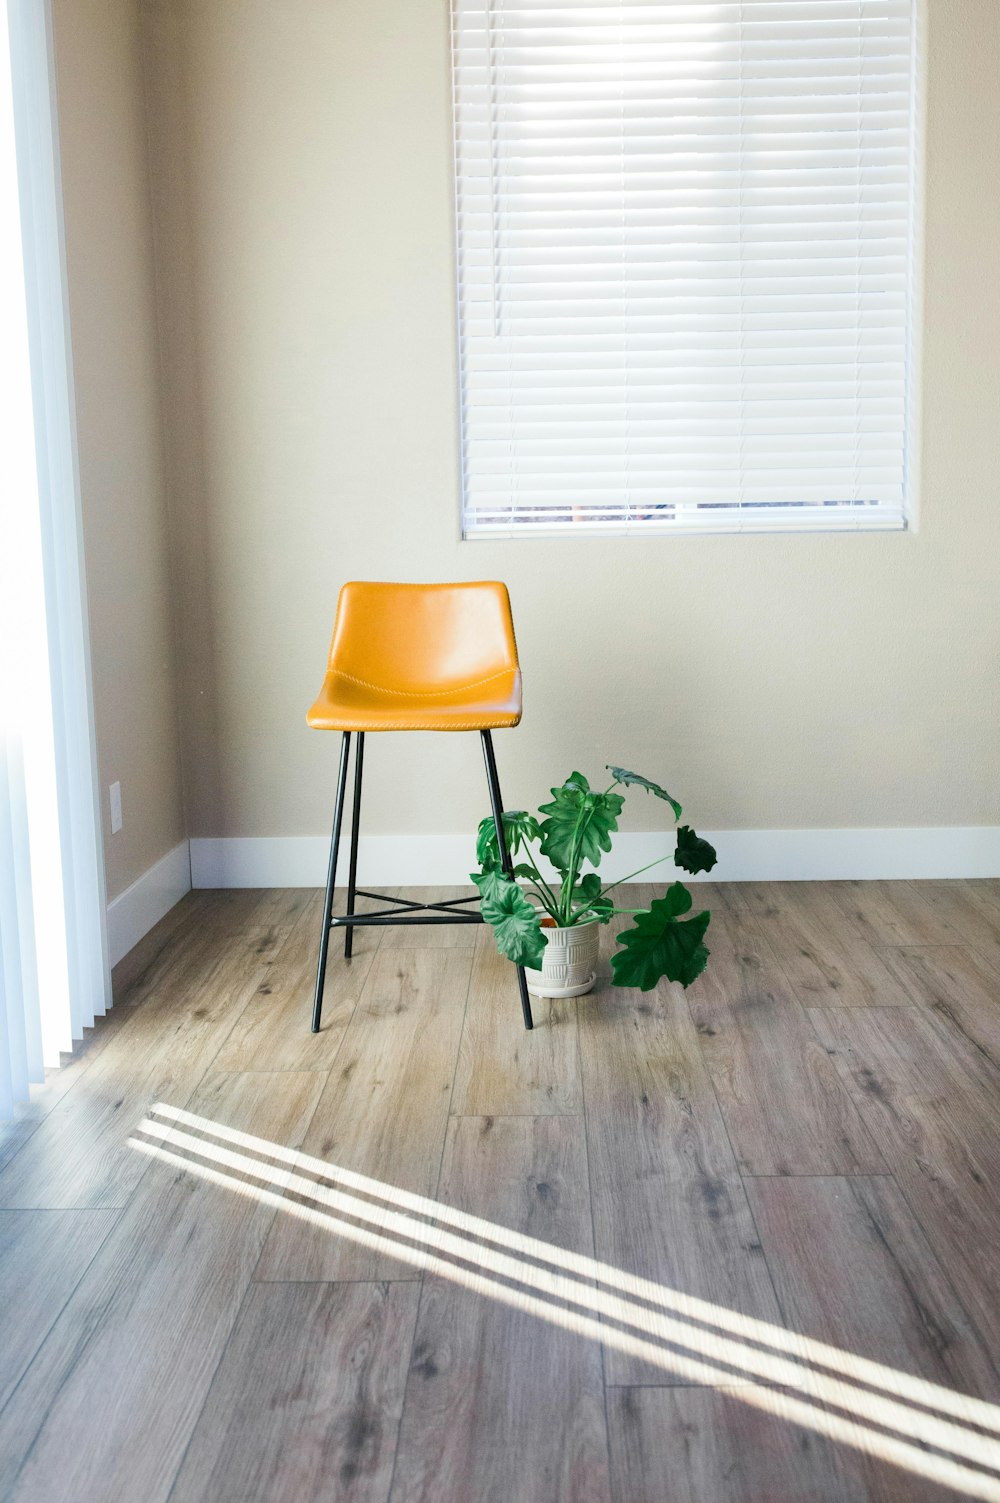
(324, 941)
(437, 917)
(352, 874)
(496, 803)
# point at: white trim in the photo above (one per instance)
(918, 243)
(133, 912)
(301, 860)
(744, 856)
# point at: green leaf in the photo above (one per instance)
(486, 844)
(661, 944)
(579, 824)
(676, 900)
(693, 854)
(491, 884)
(514, 921)
(622, 775)
(519, 827)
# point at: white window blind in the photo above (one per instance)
(686, 257)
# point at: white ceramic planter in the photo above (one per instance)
(569, 965)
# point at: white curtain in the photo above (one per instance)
(54, 977)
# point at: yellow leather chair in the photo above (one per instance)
(414, 657)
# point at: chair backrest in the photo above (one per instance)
(422, 637)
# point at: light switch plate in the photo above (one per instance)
(115, 792)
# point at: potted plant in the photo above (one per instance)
(553, 930)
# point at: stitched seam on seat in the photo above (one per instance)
(423, 693)
(496, 723)
(476, 725)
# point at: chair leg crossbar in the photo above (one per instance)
(403, 910)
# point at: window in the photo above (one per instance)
(686, 264)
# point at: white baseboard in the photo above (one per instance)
(744, 856)
(301, 860)
(133, 912)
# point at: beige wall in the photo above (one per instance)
(303, 207)
(112, 311)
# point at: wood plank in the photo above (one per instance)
(668, 1201)
(501, 1406)
(891, 913)
(273, 1030)
(939, 1132)
(903, 1053)
(163, 1037)
(45, 1097)
(174, 928)
(195, 945)
(785, 1107)
(106, 1409)
(43, 1256)
(818, 948)
(385, 1107)
(967, 910)
(262, 914)
(703, 1445)
(852, 1268)
(985, 893)
(733, 930)
(946, 973)
(307, 1399)
(134, 981)
(16, 1130)
(962, 995)
(260, 919)
(504, 1070)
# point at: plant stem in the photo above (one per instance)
(566, 890)
(554, 909)
(579, 912)
(536, 892)
(572, 869)
(611, 887)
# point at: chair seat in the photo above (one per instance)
(420, 657)
(347, 703)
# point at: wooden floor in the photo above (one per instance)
(740, 1243)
